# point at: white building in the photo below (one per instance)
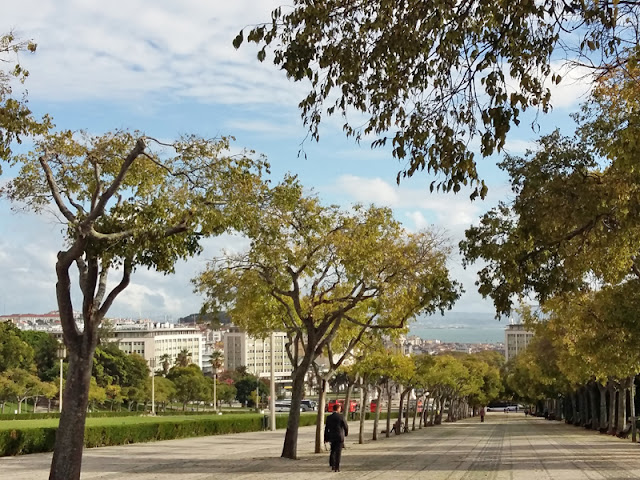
(152, 341)
(516, 339)
(241, 350)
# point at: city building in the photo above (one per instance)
(153, 340)
(516, 339)
(241, 350)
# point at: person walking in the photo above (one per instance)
(482, 414)
(335, 429)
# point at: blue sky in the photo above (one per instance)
(169, 68)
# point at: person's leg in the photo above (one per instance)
(336, 460)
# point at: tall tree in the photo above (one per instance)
(573, 218)
(427, 76)
(14, 352)
(183, 359)
(16, 119)
(310, 269)
(124, 206)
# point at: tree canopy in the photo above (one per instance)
(428, 76)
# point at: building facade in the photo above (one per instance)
(153, 340)
(516, 339)
(241, 350)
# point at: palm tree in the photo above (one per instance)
(184, 358)
(217, 361)
(165, 361)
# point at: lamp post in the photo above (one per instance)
(215, 398)
(62, 352)
(272, 387)
(152, 366)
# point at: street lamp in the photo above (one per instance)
(152, 367)
(215, 398)
(62, 353)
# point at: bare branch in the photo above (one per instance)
(55, 191)
(126, 276)
(98, 210)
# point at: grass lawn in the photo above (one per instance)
(53, 422)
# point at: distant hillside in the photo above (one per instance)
(220, 319)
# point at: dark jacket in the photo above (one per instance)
(335, 428)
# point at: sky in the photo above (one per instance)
(169, 68)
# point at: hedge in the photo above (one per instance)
(126, 413)
(34, 440)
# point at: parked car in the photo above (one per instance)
(353, 407)
(308, 405)
(285, 406)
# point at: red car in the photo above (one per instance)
(352, 408)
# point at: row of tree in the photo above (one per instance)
(570, 238)
(427, 79)
(461, 383)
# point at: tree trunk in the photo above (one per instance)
(67, 455)
(434, 406)
(622, 407)
(415, 414)
(400, 412)
(290, 447)
(612, 408)
(347, 401)
(602, 421)
(405, 427)
(378, 408)
(322, 398)
(574, 410)
(363, 415)
(388, 432)
(632, 398)
(595, 417)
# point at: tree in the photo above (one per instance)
(165, 391)
(165, 361)
(246, 388)
(226, 393)
(124, 207)
(16, 119)
(217, 361)
(26, 385)
(8, 390)
(14, 352)
(428, 76)
(189, 383)
(97, 394)
(113, 394)
(572, 221)
(183, 359)
(45, 352)
(312, 269)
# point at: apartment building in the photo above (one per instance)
(516, 339)
(153, 340)
(255, 353)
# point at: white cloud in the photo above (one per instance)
(134, 48)
(450, 210)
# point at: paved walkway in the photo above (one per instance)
(506, 446)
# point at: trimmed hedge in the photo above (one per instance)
(34, 440)
(126, 413)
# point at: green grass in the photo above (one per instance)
(108, 421)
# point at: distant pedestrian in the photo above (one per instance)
(335, 430)
(482, 414)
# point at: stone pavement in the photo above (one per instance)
(505, 446)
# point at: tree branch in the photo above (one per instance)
(55, 191)
(126, 276)
(98, 210)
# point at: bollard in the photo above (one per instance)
(633, 429)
